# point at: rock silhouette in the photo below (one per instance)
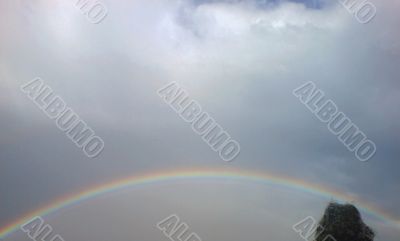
(344, 223)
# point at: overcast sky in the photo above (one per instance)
(241, 61)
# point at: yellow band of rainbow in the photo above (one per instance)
(160, 176)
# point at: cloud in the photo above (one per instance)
(238, 59)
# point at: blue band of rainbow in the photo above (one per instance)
(202, 173)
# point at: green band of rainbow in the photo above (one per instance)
(202, 173)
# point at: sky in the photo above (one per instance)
(240, 60)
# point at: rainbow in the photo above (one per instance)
(201, 173)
